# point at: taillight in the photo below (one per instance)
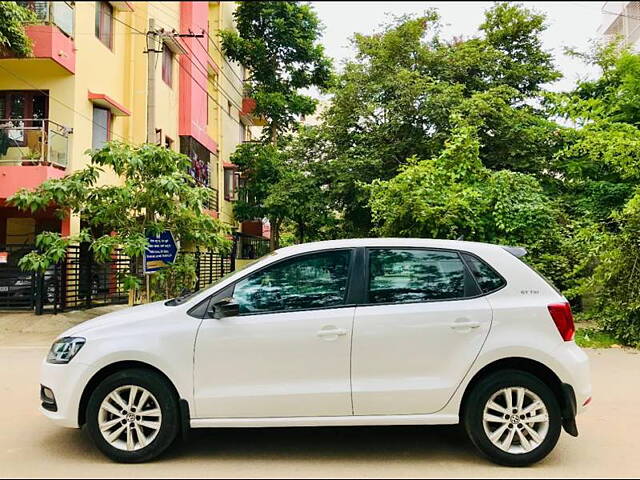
(563, 318)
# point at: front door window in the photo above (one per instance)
(313, 281)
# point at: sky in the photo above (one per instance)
(570, 24)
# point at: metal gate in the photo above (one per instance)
(16, 287)
(79, 282)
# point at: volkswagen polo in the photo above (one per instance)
(345, 332)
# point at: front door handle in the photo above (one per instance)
(330, 332)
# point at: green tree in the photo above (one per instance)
(156, 194)
(455, 195)
(396, 99)
(281, 183)
(278, 42)
(12, 34)
(601, 168)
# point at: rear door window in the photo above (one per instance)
(414, 275)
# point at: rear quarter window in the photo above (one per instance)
(487, 278)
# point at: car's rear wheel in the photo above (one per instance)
(513, 418)
(132, 415)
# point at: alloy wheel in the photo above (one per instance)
(515, 420)
(129, 418)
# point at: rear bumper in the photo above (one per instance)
(575, 373)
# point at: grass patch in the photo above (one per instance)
(593, 338)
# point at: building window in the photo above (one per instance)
(101, 127)
(167, 65)
(168, 142)
(230, 184)
(104, 23)
(22, 109)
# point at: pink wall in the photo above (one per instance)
(193, 96)
(50, 42)
(15, 177)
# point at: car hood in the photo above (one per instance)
(119, 319)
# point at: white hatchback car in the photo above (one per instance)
(346, 332)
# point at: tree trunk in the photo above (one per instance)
(274, 238)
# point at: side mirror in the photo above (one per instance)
(227, 307)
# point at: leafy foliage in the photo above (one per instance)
(172, 281)
(156, 194)
(400, 97)
(278, 43)
(12, 34)
(454, 195)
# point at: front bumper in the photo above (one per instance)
(67, 383)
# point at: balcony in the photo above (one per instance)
(33, 142)
(52, 35)
(31, 151)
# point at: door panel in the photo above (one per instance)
(409, 359)
(274, 365)
(288, 352)
(418, 334)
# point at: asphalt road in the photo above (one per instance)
(608, 444)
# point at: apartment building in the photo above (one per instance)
(621, 19)
(131, 71)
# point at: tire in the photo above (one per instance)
(143, 437)
(489, 397)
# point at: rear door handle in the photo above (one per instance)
(463, 325)
(331, 332)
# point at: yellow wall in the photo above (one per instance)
(121, 74)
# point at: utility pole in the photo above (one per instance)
(151, 81)
(151, 52)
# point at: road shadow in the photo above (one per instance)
(317, 444)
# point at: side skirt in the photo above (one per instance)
(352, 420)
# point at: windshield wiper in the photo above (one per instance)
(186, 293)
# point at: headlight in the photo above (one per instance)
(64, 349)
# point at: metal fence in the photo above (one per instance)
(249, 247)
(86, 283)
(79, 282)
(16, 287)
(210, 267)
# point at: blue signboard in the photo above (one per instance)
(162, 249)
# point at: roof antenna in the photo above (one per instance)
(461, 237)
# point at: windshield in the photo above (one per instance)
(188, 296)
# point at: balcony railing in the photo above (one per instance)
(53, 13)
(212, 199)
(33, 141)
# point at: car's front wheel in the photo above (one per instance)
(132, 415)
(513, 418)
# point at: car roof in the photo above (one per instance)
(387, 242)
